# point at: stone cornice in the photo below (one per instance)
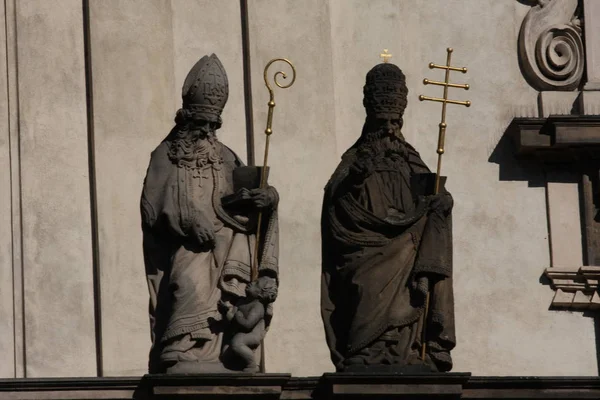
(558, 138)
(283, 386)
(576, 289)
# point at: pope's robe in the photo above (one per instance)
(186, 281)
(377, 241)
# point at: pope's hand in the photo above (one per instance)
(441, 202)
(421, 287)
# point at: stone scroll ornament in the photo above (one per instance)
(551, 51)
(211, 261)
(387, 296)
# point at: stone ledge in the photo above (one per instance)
(558, 138)
(264, 386)
(450, 385)
(576, 289)
(394, 386)
(532, 387)
(70, 388)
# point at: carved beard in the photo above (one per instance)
(379, 143)
(194, 148)
(378, 150)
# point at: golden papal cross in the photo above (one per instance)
(385, 55)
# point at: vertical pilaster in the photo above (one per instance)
(131, 59)
(591, 10)
(54, 190)
(7, 292)
(591, 216)
(562, 193)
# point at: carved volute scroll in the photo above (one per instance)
(550, 45)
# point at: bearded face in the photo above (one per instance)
(381, 145)
(200, 129)
(194, 144)
(382, 136)
(383, 125)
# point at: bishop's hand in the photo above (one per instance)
(261, 197)
(202, 231)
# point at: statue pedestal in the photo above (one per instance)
(234, 385)
(391, 386)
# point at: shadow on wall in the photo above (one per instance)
(528, 2)
(512, 168)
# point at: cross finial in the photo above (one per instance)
(385, 55)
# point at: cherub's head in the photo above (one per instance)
(263, 289)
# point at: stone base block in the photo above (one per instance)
(395, 386)
(211, 386)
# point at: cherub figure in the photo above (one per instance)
(249, 320)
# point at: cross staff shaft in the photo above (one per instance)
(440, 151)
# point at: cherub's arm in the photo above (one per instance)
(257, 312)
(230, 314)
(227, 309)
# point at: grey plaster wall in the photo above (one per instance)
(141, 51)
(55, 194)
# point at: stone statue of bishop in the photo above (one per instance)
(199, 228)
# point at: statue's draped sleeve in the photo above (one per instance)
(159, 196)
(160, 221)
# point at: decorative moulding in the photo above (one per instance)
(558, 138)
(572, 143)
(576, 289)
(551, 51)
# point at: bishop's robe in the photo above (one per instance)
(187, 282)
(377, 240)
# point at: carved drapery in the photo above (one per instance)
(551, 47)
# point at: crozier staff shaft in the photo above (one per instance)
(268, 132)
(440, 150)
